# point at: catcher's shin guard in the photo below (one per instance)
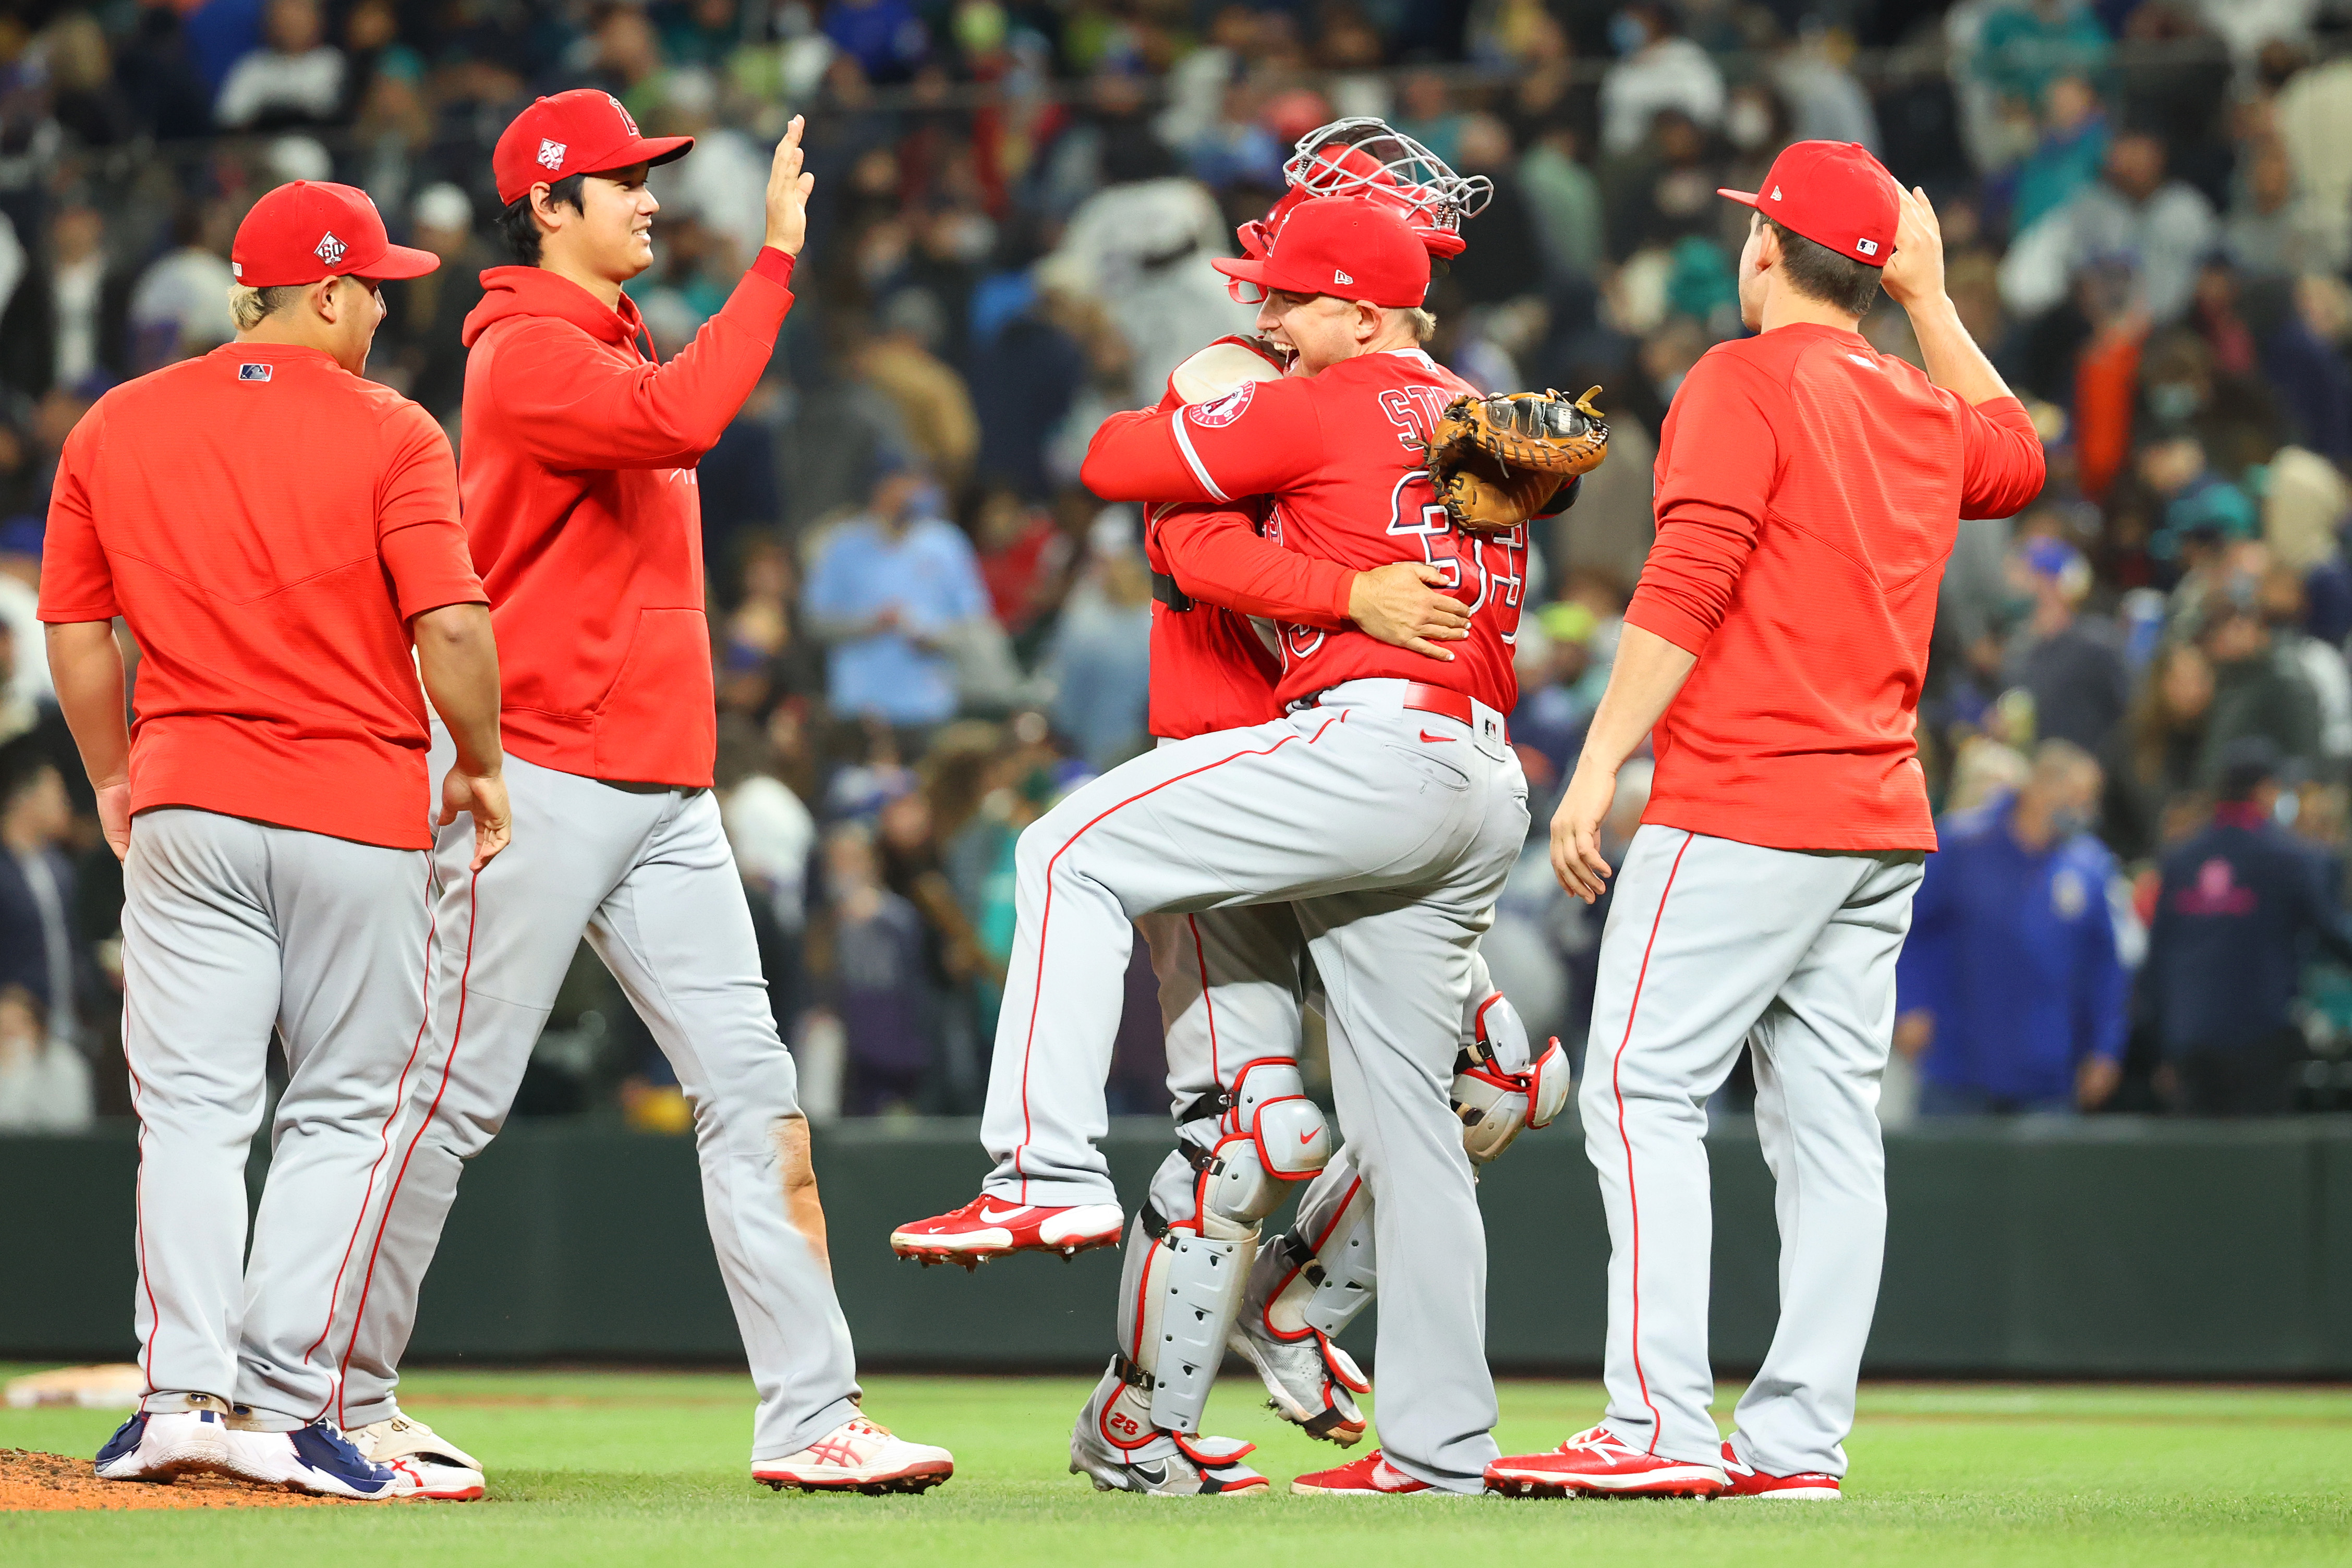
(1179, 1293)
(1320, 1275)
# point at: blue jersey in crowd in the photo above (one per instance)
(2013, 951)
(2242, 905)
(929, 576)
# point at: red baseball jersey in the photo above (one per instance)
(269, 524)
(1339, 455)
(1809, 489)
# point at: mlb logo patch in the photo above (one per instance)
(1867, 247)
(251, 372)
(550, 153)
(330, 249)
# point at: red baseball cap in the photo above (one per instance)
(310, 230)
(584, 131)
(1343, 246)
(1833, 192)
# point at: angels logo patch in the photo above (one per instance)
(550, 153)
(627, 123)
(1223, 411)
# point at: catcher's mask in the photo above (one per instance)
(1362, 156)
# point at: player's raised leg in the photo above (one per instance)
(1820, 1050)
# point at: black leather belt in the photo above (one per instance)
(1164, 589)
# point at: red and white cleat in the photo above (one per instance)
(991, 1228)
(858, 1456)
(1371, 1476)
(1806, 1486)
(1599, 1462)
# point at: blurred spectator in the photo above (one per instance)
(2072, 149)
(295, 79)
(1564, 200)
(1494, 268)
(2073, 670)
(20, 580)
(180, 305)
(876, 983)
(935, 408)
(2161, 228)
(772, 833)
(64, 323)
(2239, 908)
(45, 1085)
(425, 322)
(889, 590)
(2024, 45)
(2156, 758)
(886, 38)
(725, 184)
(2011, 994)
(2272, 230)
(1100, 657)
(2260, 691)
(1825, 102)
(36, 885)
(1657, 69)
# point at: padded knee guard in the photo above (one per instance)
(1322, 1274)
(1500, 1087)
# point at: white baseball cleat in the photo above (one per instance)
(858, 1456)
(1308, 1380)
(319, 1461)
(167, 1445)
(444, 1472)
(1111, 1448)
(991, 1228)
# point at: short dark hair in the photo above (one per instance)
(521, 229)
(1817, 272)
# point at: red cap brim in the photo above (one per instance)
(1249, 269)
(399, 261)
(1744, 198)
(650, 150)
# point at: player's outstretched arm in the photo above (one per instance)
(569, 407)
(87, 665)
(459, 658)
(1643, 683)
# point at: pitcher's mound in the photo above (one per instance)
(30, 1481)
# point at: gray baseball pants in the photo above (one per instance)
(1711, 944)
(650, 880)
(231, 929)
(1393, 848)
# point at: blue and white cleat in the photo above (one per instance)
(317, 1459)
(167, 1445)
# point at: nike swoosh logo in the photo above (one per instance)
(1426, 736)
(1305, 1138)
(1002, 1215)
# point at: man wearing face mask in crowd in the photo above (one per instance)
(2010, 993)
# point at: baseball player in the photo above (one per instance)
(1387, 806)
(579, 485)
(1809, 489)
(278, 533)
(1229, 979)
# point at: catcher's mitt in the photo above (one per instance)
(1497, 461)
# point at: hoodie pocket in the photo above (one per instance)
(661, 705)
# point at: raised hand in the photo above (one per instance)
(788, 193)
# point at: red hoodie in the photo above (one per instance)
(577, 477)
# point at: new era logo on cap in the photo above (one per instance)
(1338, 276)
(1775, 193)
(550, 153)
(330, 249)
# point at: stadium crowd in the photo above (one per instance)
(2138, 718)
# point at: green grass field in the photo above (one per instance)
(610, 1466)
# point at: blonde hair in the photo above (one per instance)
(248, 307)
(1424, 324)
